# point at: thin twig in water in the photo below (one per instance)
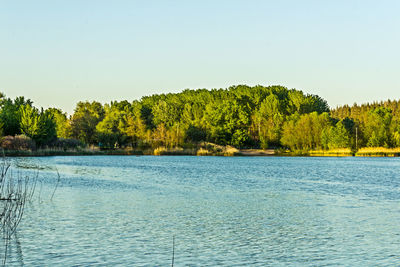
(173, 251)
(32, 190)
(40, 191)
(14, 192)
(58, 181)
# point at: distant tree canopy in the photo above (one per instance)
(241, 116)
(378, 124)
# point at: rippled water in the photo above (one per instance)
(225, 211)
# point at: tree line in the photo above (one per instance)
(240, 116)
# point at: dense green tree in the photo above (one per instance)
(29, 121)
(84, 121)
(38, 125)
(223, 119)
(63, 126)
(47, 131)
(133, 126)
(270, 119)
(108, 130)
(305, 132)
(336, 136)
(377, 127)
(290, 134)
(10, 116)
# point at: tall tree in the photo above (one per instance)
(84, 121)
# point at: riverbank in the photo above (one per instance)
(209, 150)
(378, 152)
(55, 152)
(345, 152)
(160, 151)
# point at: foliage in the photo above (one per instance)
(377, 124)
(38, 125)
(63, 126)
(335, 137)
(240, 116)
(10, 117)
(84, 121)
(305, 132)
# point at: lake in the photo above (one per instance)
(221, 211)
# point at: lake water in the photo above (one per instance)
(222, 211)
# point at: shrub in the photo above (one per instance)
(18, 142)
(64, 143)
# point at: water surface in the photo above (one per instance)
(223, 211)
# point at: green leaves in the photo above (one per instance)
(84, 121)
(40, 126)
(377, 127)
(29, 121)
(336, 137)
(305, 132)
(242, 116)
(10, 115)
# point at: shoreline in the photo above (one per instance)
(199, 152)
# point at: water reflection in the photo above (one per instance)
(28, 163)
(12, 248)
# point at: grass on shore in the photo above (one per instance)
(61, 152)
(176, 151)
(204, 149)
(378, 152)
(208, 149)
(339, 152)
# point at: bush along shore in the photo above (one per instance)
(208, 149)
(272, 120)
(205, 149)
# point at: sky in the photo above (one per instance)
(60, 52)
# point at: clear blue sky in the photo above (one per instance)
(60, 52)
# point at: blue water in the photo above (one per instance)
(222, 211)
